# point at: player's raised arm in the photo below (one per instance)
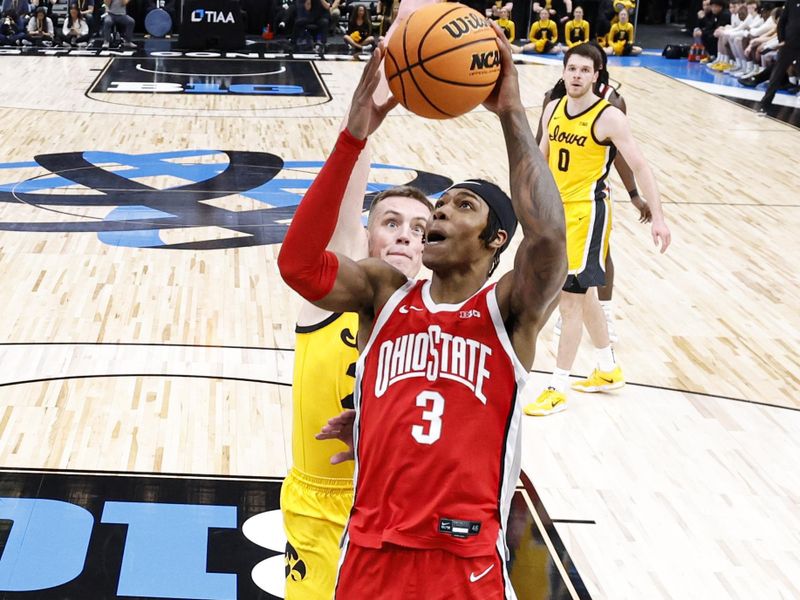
(540, 265)
(333, 281)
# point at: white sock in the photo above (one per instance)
(559, 380)
(605, 359)
(608, 308)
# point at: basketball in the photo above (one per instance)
(442, 61)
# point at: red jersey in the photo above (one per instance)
(437, 433)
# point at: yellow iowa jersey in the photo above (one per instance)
(324, 375)
(576, 33)
(621, 33)
(579, 162)
(508, 27)
(544, 30)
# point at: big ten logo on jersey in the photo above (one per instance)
(109, 535)
(433, 354)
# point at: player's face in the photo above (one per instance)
(396, 233)
(579, 75)
(454, 227)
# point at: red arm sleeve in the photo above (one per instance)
(304, 263)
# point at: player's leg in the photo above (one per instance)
(605, 293)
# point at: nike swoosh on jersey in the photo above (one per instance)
(473, 578)
(404, 309)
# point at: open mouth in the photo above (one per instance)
(434, 237)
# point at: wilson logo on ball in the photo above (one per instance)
(462, 25)
(485, 60)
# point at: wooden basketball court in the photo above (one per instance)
(154, 335)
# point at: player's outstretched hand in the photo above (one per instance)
(661, 232)
(505, 95)
(340, 428)
(365, 115)
(645, 214)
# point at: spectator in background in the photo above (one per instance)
(788, 51)
(334, 12)
(543, 36)
(17, 10)
(494, 10)
(75, 31)
(767, 40)
(719, 17)
(10, 34)
(620, 38)
(117, 15)
(40, 30)
(576, 31)
(86, 8)
(359, 30)
(506, 24)
(747, 17)
(314, 14)
(764, 25)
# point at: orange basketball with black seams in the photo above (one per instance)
(442, 61)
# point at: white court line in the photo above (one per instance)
(139, 67)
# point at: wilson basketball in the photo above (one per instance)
(442, 61)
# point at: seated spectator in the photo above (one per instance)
(766, 40)
(40, 30)
(620, 38)
(285, 12)
(605, 16)
(543, 36)
(788, 53)
(717, 18)
(75, 31)
(10, 34)
(747, 17)
(576, 31)
(313, 17)
(334, 14)
(506, 24)
(494, 10)
(117, 15)
(359, 30)
(18, 10)
(387, 9)
(86, 8)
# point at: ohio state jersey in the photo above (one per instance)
(437, 432)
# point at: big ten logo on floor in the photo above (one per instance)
(219, 77)
(226, 198)
(125, 536)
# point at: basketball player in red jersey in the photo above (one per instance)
(438, 420)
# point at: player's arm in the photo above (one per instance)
(541, 127)
(329, 280)
(544, 141)
(613, 125)
(526, 294)
(626, 173)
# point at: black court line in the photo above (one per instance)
(727, 99)
(550, 529)
(159, 375)
(260, 348)
(680, 391)
(575, 521)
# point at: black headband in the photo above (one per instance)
(497, 200)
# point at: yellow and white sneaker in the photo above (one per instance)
(549, 402)
(601, 381)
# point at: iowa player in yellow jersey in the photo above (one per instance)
(583, 134)
(317, 495)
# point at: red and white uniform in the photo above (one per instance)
(437, 435)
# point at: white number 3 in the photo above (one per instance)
(432, 416)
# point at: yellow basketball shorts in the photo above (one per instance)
(315, 511)
(588, 233)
